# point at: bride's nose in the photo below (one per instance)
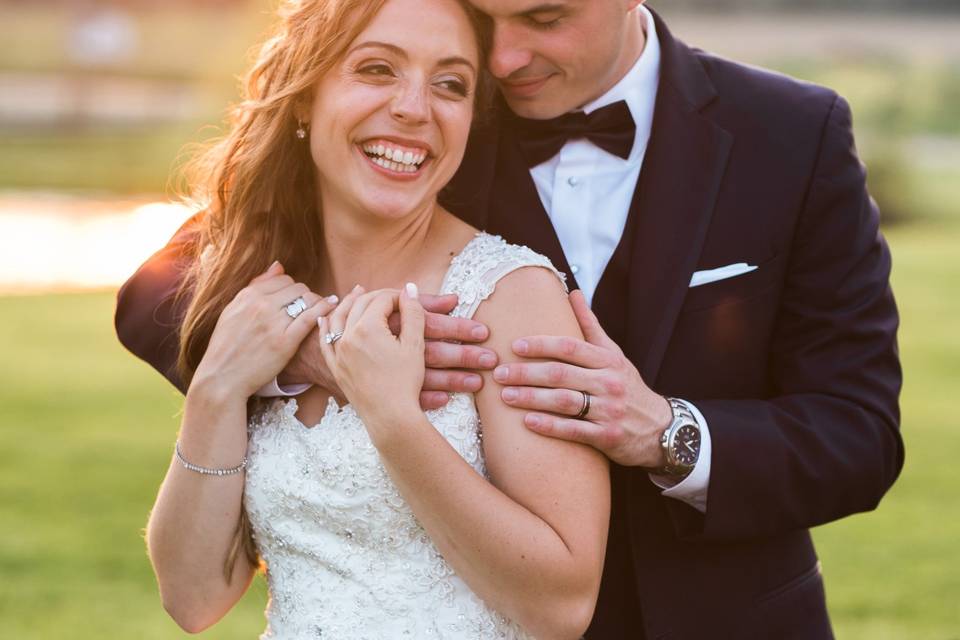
(411, 104)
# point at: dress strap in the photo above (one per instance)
(475, 271)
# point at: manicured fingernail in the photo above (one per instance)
(355, 289)
(412, 291)
(333, 299)
(532, 420)
(500, 373)
(520, 347)
(479, 332)
(473, 382)
(487, 360)
(510, 394)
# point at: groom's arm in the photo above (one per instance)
(827, 443)
(147, 317)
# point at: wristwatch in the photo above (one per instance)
(680, 441)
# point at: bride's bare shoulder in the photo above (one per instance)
(529, 300)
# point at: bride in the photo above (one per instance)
(374, 519)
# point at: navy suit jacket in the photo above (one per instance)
(794, 365)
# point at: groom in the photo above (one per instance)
(715, 219)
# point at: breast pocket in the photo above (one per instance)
(725, 329)
(736, 288)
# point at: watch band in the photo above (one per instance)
(681, 410)
(682, 417)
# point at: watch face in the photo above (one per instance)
(686, 445)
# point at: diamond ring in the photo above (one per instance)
(330, 338)
(296, 307)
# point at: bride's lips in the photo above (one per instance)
(524, 88)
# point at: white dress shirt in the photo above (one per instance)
(587, 193)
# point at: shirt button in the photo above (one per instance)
(574, 269)
(573, 181)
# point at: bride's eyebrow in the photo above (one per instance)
(445, 62)
(373, 44)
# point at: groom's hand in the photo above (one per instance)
(451, 368)
(626, 418)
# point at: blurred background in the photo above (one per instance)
(97, 102)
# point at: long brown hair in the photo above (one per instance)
(256, 186)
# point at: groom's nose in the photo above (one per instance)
(508, 53)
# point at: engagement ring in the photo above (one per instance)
(296, 307)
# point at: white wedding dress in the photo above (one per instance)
(345, 555)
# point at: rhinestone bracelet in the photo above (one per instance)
(204, 470)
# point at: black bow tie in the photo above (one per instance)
(611, 128)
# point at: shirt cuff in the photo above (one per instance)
(693, 488)
(273, 389)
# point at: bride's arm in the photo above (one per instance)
(193, 525)
(532, 542)
(194, 521)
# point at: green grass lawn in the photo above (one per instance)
(86, 432)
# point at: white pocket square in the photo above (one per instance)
(720, 273)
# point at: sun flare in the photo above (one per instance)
(60, 244)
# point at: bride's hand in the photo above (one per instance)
(380, 374)
(255, 337)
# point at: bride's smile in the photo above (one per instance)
(396, 157)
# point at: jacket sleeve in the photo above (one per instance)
(826, 443)
(147, 318)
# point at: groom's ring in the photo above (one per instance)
(585, 409)
(330, 338)
(296, 307)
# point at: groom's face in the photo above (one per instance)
(554, 56)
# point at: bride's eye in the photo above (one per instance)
(454, 85)
(375, 69)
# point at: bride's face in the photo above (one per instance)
(389, 123)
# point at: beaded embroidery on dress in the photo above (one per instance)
(345, 556)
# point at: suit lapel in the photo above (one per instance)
(682, 171)
(516, 211)
(670, 212)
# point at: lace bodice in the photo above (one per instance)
(345, 556)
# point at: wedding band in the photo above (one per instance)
(296, 307)
(586, 406)
(330, 338)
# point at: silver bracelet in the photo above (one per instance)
(204, 470)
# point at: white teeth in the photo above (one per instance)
(395, 159)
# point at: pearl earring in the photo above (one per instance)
(301, 130)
